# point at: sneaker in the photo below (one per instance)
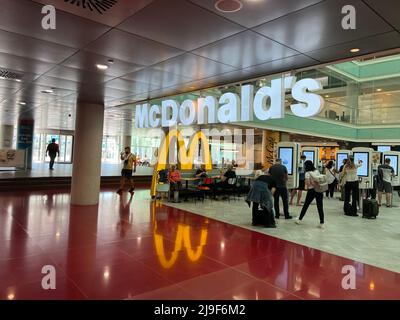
(119, 191)
(270, 226)
(388, 206)
(321, 226)
(288, 217)
(298, 221)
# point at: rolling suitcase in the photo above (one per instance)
(370, 209)
(261, 217)
(349, 210)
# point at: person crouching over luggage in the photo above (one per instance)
(311, 183)
(263, 202)
(175, 183)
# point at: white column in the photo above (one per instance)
(6, 136)
(86, 170)
(352, 95)
(126, 141)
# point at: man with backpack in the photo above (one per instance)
(52, 150)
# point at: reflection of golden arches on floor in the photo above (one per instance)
(182, 240)
(186, 157)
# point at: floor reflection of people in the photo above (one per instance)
(124, 222)
(50, 203)
(273, 266)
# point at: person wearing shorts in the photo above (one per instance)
(385, 174)
(129, 167)
(302, 179)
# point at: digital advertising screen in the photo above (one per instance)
(286, 154)
(310, 155)
(384, 148)
(339, 159)
(393, 162)
(364, 157)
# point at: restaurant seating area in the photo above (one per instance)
(197, 189)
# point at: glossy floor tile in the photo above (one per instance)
(374, 242)
(132, 248)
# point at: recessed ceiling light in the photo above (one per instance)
(327, 96)
(379, 90)
(102, 66)
(18, 80)
(22, 103)
(228, 6)
(354, 50)
(47, 91)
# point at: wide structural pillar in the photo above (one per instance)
(86, 171)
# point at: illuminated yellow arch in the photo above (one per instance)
(182, 239)
(186, 157)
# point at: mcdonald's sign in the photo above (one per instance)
(182, 240)
(186, 157)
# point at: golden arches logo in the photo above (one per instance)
(186, 157)
(182, 240)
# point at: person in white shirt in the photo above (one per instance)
(310, 181)
(351, 187)
(385, 174)
(330, 173)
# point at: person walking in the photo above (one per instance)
(129, 160)
(311, 183)
(280, 174)
(351, 187)
(52, 150)
(301, 187)
(385, 174)
(330, 173)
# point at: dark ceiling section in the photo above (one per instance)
(161, 47)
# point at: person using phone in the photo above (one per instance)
(129, 166)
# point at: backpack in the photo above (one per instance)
(163, 176)
(320, 182)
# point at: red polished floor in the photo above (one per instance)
(135, 249)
